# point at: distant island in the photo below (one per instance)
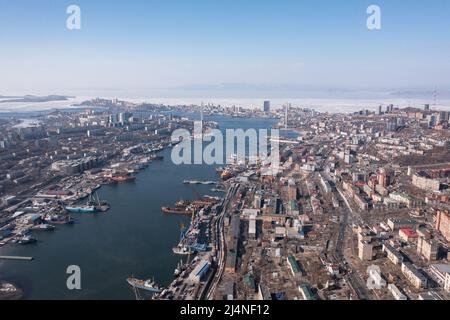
(30, 98)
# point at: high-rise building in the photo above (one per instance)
(267, 106)
(124, 117)
(385, 177)
(382, 178)
(443, 117)
(257, 201)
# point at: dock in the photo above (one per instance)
(16, 258)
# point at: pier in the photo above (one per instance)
(16, 258)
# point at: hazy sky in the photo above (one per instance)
(140, 44)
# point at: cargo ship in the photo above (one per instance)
(93, 205)
(43, 227)
(178, 210)
(123, 178)
(82, 209)
(148, 285)
(59, 220)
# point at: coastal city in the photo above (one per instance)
(225, 159)
(357, 209)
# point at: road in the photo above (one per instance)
(352, 278)
(220, 244)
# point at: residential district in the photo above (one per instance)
(359, 208)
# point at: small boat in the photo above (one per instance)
(26, 240)
(59, 220)
(179, 269)
(182, 204)
(148, 285)
(43, 227)
(182, 250)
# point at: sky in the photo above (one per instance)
(214, 46)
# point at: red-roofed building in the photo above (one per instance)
(408, 235)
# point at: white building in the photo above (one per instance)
(396, 293)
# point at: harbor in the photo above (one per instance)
(107, 246)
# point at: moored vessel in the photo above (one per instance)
(123, 178)
(178, 210)
(147, 285)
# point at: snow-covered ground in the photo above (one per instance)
(323, 105)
